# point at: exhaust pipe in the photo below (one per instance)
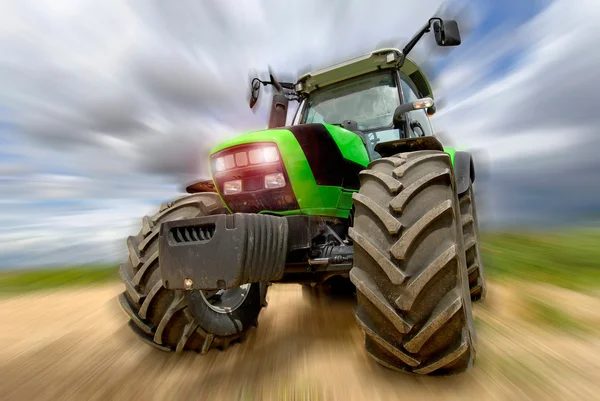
(279, 107)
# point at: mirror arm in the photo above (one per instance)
(412, 43)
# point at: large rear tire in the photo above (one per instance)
(409, 265)
(470, 226)
(177, 319)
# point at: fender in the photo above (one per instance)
(391, 148)
(464, 170)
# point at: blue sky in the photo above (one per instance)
(108, 108)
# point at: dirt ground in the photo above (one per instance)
(75, 345)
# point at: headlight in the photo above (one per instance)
(258, 155)
(270, 154)
(232, 187)
(264, 155)
(220, 164)
(241, 159)
(229, 162)
(274, 181)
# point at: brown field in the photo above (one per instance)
(535, 342)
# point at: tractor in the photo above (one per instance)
(357, 187)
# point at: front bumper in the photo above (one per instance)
(222, 251)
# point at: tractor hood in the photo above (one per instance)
(302, 169)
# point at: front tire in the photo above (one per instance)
(177, 319)
(409, 265)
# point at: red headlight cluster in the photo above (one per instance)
(241, 169)
(252, 177)
(266, 154)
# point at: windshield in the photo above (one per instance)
(370, 100)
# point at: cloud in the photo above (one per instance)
(536, 129)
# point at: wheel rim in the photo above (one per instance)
(226, 301)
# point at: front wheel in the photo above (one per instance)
(177, 319)
(409, 265)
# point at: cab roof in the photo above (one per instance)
(376, 60)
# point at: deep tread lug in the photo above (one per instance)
(144, 308)
(393, 161)
(391, 224)
(137, 279)
(392, 184)
(472, 269)
(146, 225)
(177, 304)
(400, 171)
(134, 318)
(369, 289)
(144, 244)
(399, 202)
(415, 285)
(477, 288)
(148, 339)
(134, 254)
(448, 307)
(188, 330)
(207, 343)
(407, 359)
(401, 247)
(466, 220)
(470, 243)
(444, 360)
(129, 286)
(395, 275)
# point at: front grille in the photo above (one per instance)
(193, 233)
(255, 183)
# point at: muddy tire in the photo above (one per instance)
(177, 319)
(409, 266)
(470, 226)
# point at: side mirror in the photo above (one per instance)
(254, 92)
(419, 104)
(446, 32)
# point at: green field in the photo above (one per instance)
(569, 259)
(16, 281)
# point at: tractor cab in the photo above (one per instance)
(382, 96)
(363, 94)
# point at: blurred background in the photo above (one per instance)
(109, 108)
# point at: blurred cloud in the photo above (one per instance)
(109, 107)
(529, 114)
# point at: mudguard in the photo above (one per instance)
(386, 149)
(464, 170)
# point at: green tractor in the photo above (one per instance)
(356, 187)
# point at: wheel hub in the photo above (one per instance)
(226, 301)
